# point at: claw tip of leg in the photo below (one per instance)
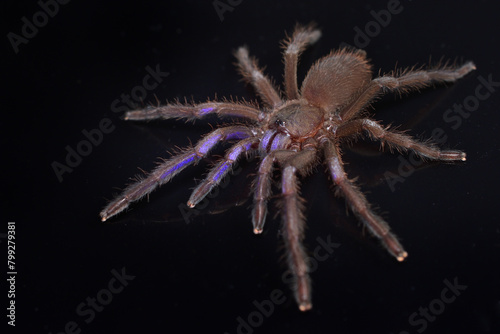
(257, 230)
(126, 116)
(305, 306)
(402, 256)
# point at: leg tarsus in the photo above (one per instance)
(220, 170)
(191, 112)
(293, 222)
(358, 203)
(170, 168)
(398, 140)
(160, 175)
(253, 74)
(262, 191)
(301, 38)
(402, 82)
(262, 187)
(415, 79)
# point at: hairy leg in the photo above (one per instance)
(358, 203)
(404, 82)
(294, 234)
(262, 191)
(262, 187)
(301, 38)
(252, 73)
(167, 170)
(293, 225)
(191, 112)
(398, 140)
(221, 169)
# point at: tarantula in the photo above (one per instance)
(297, 133)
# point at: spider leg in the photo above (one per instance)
(301, 38)
(263, 187)
(397, 139)
(358, 203)
(294, 223)
(170, 168)
(191, 112)
(407, 81)
(252, 73)
(221, 170)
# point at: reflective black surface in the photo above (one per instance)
(160, 267)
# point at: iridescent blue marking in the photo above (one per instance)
(222, 171)
(208, 144)
(178, 166)
(235, 153)
(278, 141)
(265, 140)
(336, 169)
(206, 110)
(248, 146)
(237, 135)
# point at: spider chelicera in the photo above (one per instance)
(296, 133)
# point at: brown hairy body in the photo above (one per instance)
(296, 133)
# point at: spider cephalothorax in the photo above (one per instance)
(296, 134)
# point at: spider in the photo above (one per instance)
(296, 133)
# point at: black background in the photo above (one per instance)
(201, 274)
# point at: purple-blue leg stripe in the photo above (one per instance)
(235, 153)
(208, 143)
(221, 172)
(206, 110)
(238, 135)
(183, 163)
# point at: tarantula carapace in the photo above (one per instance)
(296, 134)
